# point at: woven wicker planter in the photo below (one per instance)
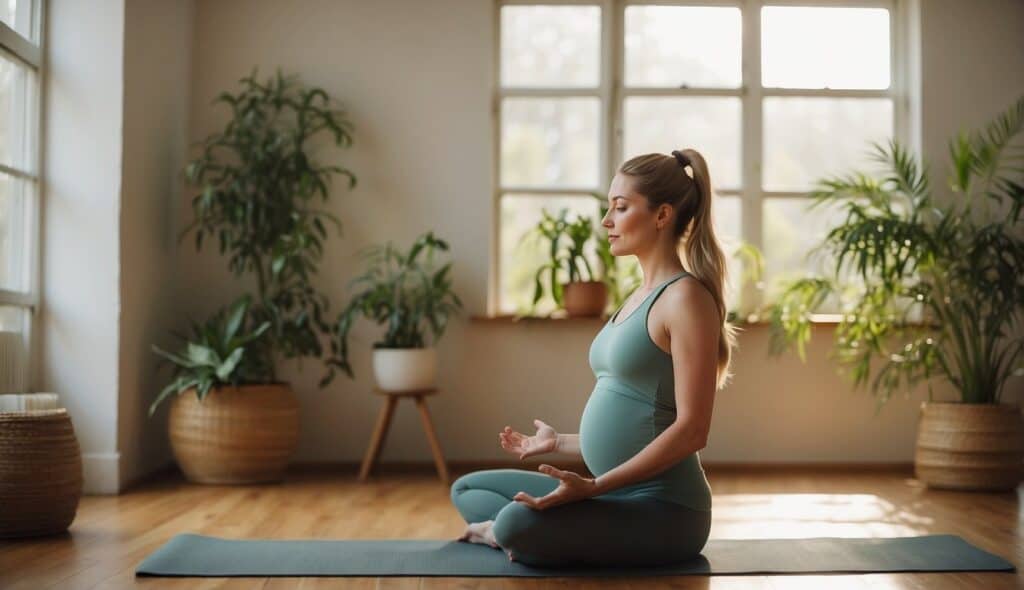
(971, 447)
(40, 473)
(236, 435)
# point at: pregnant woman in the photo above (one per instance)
(658, 362)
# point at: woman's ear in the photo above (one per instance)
(665, 212)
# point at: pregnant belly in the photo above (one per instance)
(615, 426)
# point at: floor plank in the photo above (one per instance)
(112, 534)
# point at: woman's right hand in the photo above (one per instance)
(545, 441)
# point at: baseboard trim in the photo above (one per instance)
(100, 472)
(154, 474)
(461, 467)
(580, 467)
(828, 466)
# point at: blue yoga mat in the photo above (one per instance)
(199, 555)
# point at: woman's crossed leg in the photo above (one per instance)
(605, 531)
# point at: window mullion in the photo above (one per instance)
(17, 298)
(494, 293)
(617, 71)
(608, 92)
(19, 47)
(752, 199)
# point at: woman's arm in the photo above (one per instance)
(569, 444)
(673, 445)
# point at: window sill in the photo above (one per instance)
(822, 319)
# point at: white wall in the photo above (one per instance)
(973, 68)
(157, 77)
(416, 77)
(116, 99)
(81, 177)
(415, 80)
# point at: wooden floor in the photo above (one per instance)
(112, 534)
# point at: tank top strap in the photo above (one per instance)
(657, 292)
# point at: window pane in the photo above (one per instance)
(709, 125)
(813, 47)
(13, 347)
(725, 212)
(683, 46)
(834, 138)
(521, 258)
(790, 232)
(14, 224)
(550, 46)
(550, 142)
(18, 15)
(17, 115)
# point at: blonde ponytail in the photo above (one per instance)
(663, 179)
(707, 262)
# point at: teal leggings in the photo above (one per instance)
(602, 531)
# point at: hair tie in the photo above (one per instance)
(681, 158)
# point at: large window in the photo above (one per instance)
(774, 94)
(20, 62)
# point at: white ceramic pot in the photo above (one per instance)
(405, 369)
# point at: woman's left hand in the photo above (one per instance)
(571, 488)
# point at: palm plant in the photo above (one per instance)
(959, 266)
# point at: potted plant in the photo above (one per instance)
(585, 294)
(961, 268)
(620, 278)
(258, 194)
(247, 431)
(407, 295)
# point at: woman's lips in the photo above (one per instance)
(610, 238)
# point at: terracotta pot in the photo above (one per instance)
(405, 369)
(973, 447)
(40, 473)
(235, 435)
(585, 298)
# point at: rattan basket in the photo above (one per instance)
(40, 473)
(235, 435)
(970, 447)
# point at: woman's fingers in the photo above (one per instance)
(552, 471)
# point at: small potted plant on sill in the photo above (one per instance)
(585, 294)
(258, 191)
(621, 279)
(407, 295)
(961, 268)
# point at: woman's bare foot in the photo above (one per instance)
(480, 532)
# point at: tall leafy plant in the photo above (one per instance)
(260, 198)
(959, 264)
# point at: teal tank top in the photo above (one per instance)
(633, 401)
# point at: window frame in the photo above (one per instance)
(612, 92)
(29, 54)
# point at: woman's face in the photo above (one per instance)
(631, 225)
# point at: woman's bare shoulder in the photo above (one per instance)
(687, 302)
